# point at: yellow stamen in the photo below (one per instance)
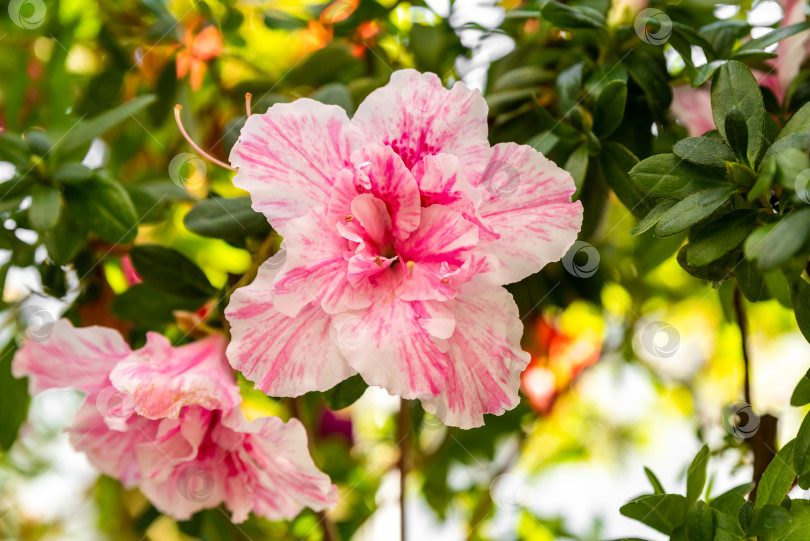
(410, 265)
(349, 218)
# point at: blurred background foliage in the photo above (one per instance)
(635, 359)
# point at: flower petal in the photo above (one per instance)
(391, 349)
(288, 158)
(417, 116)
(484, 360)
(284, 356)
(162, 379)
(70, 358)
(270, 468)
(527, 202)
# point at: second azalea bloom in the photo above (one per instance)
(167, 420)
(400, 228)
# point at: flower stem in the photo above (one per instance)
(404, 459)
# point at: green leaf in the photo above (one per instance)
(777, 479)
(663, 512)
(64, 240)
(569, 81)
(72, 173)
(750, 280)
(609, 110)
(801, 449)
(523, 77)
(705, 72)
(692, 210)
(734, 86)
(700, 522)
(720, 236)
(767, 519)
(170, 271)
(13, 399)
(798, 529)
(801, 394)
(647, 74)
(565, 16)
(737, 132)
(104, 206)
(696, 475)
(658, 488)
(148, 306)
(345, 393)
(653, 217)
(667, 176)
(338, 94)
(615, 161)
(773, 37)
(703, 151)
(764, 180)
(38, 142)
(716, 271)
(46, 204)
(746, 514)
(798, 123)
(226, 218)
(577, 165)
(726, 527)
(774, 244)
(800, 299)
(87, 130)
(544, 142)
(13, 149)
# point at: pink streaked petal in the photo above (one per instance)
(111, 451)
(316, 269)
(163, 379)
(418, 117)
(381, 172)
(288, 158)
(270, 469)
(372, 215)
(484, 357)
(176, 441)
(442, 181)
(284, 356)
(390, 348)
(70, 358)
(527, 202)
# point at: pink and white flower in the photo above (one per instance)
(400, 228)
(167, 419)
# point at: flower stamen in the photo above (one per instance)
(349, 218)
(378, 261)
(410, 265)
(248, 97)
(204, 154)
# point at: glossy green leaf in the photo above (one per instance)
(667, 176)
(663, 512)
(696, 475)
(703, 151)
(720, 236)
(700, 522)
(692, 210)
(801, 394)
(609, 110)
(734, 86)
(226, 218)
(777, 479)
(105, 207)
(170, 271)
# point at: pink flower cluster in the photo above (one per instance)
(400, 228)
(167, 419)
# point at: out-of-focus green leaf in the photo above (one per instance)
(87, 130)
(800, 299)
(105, 207)
(609, 110)
(46, 205)
(696, 475)
(13, 399)
(226, 218)
(345, 393)
(170, 271)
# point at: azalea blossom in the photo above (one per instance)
(400, 228)
(167, 420)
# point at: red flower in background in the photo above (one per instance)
(196, 51)
(557, 359)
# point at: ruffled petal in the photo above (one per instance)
(484, 360)
(288, 158)
(390, 348)
(163, 379)
(70, 358)
(441, 181)
(316, 269)
(270, 471)
(111, 451)
(284, 356)
(527, 203)
(417, 116)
